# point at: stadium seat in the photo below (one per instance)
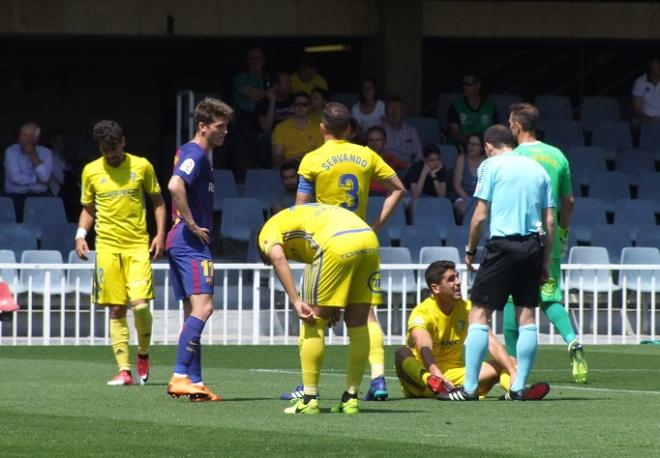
(393, 225)
(58, 284)
(563, 134)
(384, 238)
(592, 279)
(429, 254)
(17, 237)
(648, 188)
(347, 98)
(434, 214)
(634, 162)
(444, 102)
(262, 184)
(649, 136)
(448, 153)
(43, 211)
(553, 108)
(10, 276)
(648, 236)
(224, 187)
(649, 280)
(60, 237)
(634, 214)
(397, 255)
(502, 104)
(588, 213)
(458, 238)
(614, 237)
(241, 217)
(609, 186)
(584, 165)
(598, 109)
(612, 136)
(7, 211)
(83, 277)
(416, 237)
(427, 128)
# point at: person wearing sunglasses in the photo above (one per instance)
(471, 114)
(296, 136)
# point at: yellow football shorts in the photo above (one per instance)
(122, 276)
(345, 271)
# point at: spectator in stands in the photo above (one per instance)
(28, 167)
(377, 140)
(427, 177)
(64, 181)
(307, 77)
(296, 136)
(276, 106)
(402, 138)
(471, 114)
(318, 99)
(646, 94)
(465, 173)
(289, 177)
(369, 111)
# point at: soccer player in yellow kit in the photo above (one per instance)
(113, 188)
(343, 254)
(340, 173)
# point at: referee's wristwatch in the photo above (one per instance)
(470, 253)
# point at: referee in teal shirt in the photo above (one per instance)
(517, 195)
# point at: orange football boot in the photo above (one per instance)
(181, 386)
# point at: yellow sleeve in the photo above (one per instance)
(87, 194)
(278, 134)
(418, 319)
(269, 236)
(149, 181)
(382, 171)
(306, 168)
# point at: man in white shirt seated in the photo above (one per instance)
(646, 94)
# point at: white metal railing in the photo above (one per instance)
(250, 307)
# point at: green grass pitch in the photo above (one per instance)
(54, 402)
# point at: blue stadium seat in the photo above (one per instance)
(262, 184)
(634, 214)
(434, 214)
(592, 279)
(648, 188)
(83, 277)
(59, 237)
(224, 187)
(384, 238)
(585, 163)
(429, 254)
(553, 108)
(563, 134)
(609, 186)
(416, 237)
(612, 136)
(502, 104)
(448, 153)
(58, 284)
(397, 255)
(588, 213)
(7, 211)
(427, 128)
(598, 109)
(649, 280)
(648, 236)
(394, 225)
(613, 237)
(634, 162)
(10, 276)
(444, 102)
(649, 136)
(241, 217)
(18, 238)
(43, 211)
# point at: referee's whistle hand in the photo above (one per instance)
(468, 262)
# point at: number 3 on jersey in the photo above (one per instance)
(350, 183)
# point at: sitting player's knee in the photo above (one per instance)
(401, 354)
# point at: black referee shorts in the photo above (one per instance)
(511, 266)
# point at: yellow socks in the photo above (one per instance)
(312, 349)
(143, 322)
(358, 355)
(376, 351)
(119, 338)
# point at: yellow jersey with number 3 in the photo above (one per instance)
(117, 194)
(342, 172)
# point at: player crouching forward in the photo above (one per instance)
(432, 363)
(343, 254)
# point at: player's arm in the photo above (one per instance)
(500, 355)
(160, 215)
(396, 191)
(305, 192)
(283, 271)
(549, 226)
(85, 223)
(177, 188)
(423, 342)
(476, 229)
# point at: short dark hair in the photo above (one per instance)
(525, 114)
(107, 133)
(291, 164)
(429, 149)
(393, 99)
(377, 129)
(299, 94)
(210, 109)
(336, 119)
(325, 94)
(436, 270)
(499, 136)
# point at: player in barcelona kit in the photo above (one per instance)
(188, 244)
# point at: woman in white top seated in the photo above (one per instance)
(369, 111)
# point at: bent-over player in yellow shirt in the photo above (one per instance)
(113, 188)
